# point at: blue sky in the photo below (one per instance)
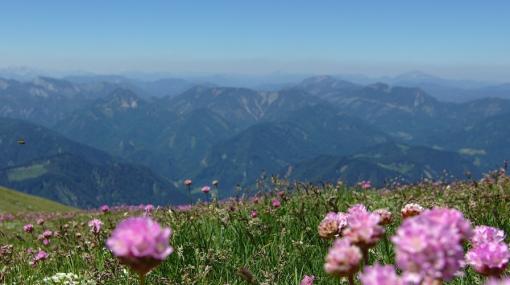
(451, 38)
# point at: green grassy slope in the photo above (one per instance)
(12, 202)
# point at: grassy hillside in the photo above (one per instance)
(13, 202)
(226, 243)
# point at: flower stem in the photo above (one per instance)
(189, 195)
(142, 279)
(351, 279)
(365, 255)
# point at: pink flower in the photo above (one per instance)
(411, 210)
(28, 228)
(357, 208)
(95, 226)
(485, 234)
(140, 243)
(489, 259)
(276, 203)
(148, 209)
(105, 209)
(365, 184)
(363, 229)
(453, 218)
(494, 281)
(384, 215)
(430, 247)
(188, 182)
(380, 275)
(206, 189)
(253, 214)
(47, 234)
(40, 222)
(332, 225)
(40, 256)
(184, 208)
(343, 259)
(307, 280)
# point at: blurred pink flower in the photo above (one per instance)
(148, 209)
(380, 275)
(486, 234)
(411, 210)
(28, 228)
(188, 182)
(183, 208)
(357, 208)
(40, 256)
(494, 281)
(365, 184)
(40, 221)
(430, 247)
(105, 209)
(343, 259)
(384, 215)
(332, 225)
(206, 189)
(253, 214)
(307, 280)
(95, 226)
(276, 203)
(363, 229)
(140, 243)
(489, 259)
(47, 234)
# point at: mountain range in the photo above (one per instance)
(113, 140)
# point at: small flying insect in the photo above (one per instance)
(21, 141)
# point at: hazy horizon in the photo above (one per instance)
(456, 40)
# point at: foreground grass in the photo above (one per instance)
(219, 244)
(13, 202)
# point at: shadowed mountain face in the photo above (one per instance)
(384, 164)
(320, 128)
(51, 166)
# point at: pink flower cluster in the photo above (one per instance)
(363, 227)
(489, 255)
(45, 237)
(307, 280)
(140, 243)
(40, 256)
(206, 189)
(105, 209)
(486, 234)
(494, 281)
(28, 228)
(384, 215)
(365, 184)
(411, 210)
(380, 275)
(95, 226)
(332, 224)
(430, 245)
(343, 258)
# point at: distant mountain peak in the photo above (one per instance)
(379, 86)
(416, 75)
(122, 98)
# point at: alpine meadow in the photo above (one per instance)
(254, 143)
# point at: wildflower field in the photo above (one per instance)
(428, 233)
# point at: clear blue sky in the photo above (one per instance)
(464, 38)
